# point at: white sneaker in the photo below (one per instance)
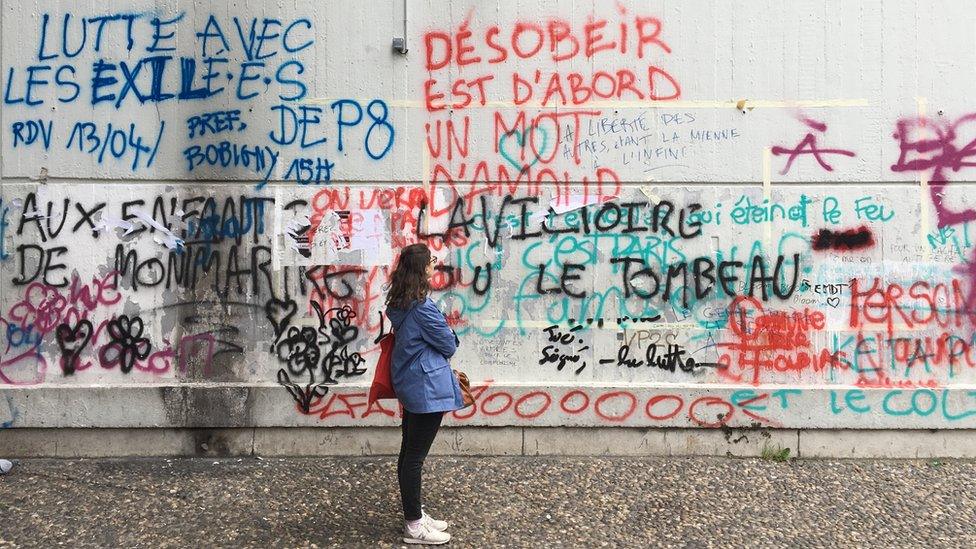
(425, 535)
(439, 525)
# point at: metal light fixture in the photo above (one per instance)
(400, 42)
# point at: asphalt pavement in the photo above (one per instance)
(491, 502)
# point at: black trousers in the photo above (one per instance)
(418, 432)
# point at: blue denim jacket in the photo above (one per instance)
(421, 374)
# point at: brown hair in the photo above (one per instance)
(408, 283)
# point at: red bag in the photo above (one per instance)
(382, 386)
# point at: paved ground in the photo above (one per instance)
(513, 502)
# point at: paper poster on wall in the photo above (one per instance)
(334, 237)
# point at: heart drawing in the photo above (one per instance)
(72, 341)
(279, 312)
(519, 138)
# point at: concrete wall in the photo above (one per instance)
(646, 214)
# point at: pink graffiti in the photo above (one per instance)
(809, 146)
(41, 307)
(202, 346)
(44, 306)
(927, 145)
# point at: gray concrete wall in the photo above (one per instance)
(645, 215)
(268, 442)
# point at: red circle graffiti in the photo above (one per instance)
(608, 77)
(659, 398)
(709, 401)
(537, 413)
(746, 308)
(484, 405)
(521, 28)
(586, 402)
(725, 370)
(327, 199)
(608, 396)
(468, 412)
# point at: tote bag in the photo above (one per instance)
(382, 386)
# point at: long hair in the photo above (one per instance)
(408, 283)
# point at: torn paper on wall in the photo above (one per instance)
(562, 205)
(337, 237)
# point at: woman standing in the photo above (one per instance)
(423, 380)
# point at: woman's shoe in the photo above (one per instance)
(439, 525)
(425, 535)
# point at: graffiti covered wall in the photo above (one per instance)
(644, 214)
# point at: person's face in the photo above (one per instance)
(430, 266)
